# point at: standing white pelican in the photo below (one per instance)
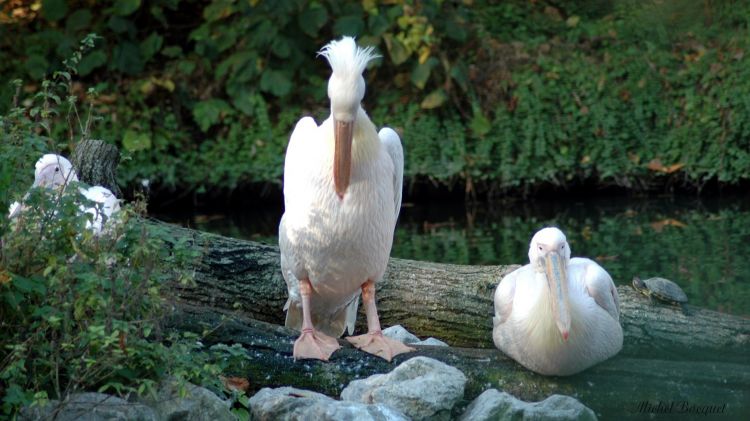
(557, 315)
(342, 196)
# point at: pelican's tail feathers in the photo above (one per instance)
(293, 314)
(341, 321)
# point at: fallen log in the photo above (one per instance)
(615, 389)
(450, 302)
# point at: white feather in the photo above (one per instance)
(346, 58)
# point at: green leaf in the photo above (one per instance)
(91, 61)
(134, 141)
(126, 57)
(119, 25)
(434, 99)
(78, 20)
(54, 10)
(207, 113)
(36, 66)
(421, 72)
(281, 47)
(378, 24)
(218, 9)
(275, 82)
(172, 51)
(312, 19)
(479, 124)
(126, 7)
(151, 45)
(349, 25)
(397, 50)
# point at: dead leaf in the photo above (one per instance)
(4, 278)
(656, 165)
(235, 383)
(673, 168)
(658, 226)
(123, 343)
(607, 258)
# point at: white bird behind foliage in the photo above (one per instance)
(56, 172)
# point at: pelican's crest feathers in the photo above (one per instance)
(346, 58)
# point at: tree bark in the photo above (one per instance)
(96, 163)
(453, 303)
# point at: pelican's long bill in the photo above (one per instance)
(342, 155)
(557, 279)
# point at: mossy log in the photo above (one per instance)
(450, 302)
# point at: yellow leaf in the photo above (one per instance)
(434, 99)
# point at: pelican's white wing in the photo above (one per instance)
(295, 164)
(297, 159)
(106, 205)
(389, 138)
(504, 295)
(599, 285)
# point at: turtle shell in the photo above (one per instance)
(665, 290)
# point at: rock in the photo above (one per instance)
(496, 405)
(90, 407)
(198, 404)
(431, 342)
(288, 403)
(400, 333)
(420, 387)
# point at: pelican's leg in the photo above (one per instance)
(311, 343)
(373, 341)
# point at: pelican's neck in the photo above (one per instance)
(365, 142)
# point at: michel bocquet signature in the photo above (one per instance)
(679, 407)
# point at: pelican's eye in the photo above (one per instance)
(57, 169)
(562, 247)
(541, 248)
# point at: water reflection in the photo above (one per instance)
(702, 244)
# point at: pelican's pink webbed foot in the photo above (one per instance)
(377, 344)
(373, 341)
(312, 344)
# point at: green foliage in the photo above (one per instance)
(81, 312)
(506, 94)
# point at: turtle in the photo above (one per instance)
(661, 289)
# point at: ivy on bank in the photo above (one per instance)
(500, 95)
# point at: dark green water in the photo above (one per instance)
(702, 244)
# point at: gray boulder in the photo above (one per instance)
(496, 405)
(399, 333)
(198, 404)
(89, 407)
(288, 403)
(421, 388)
(430, 341)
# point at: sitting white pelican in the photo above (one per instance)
(557, 315)
(342, 196)
(56, 172)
